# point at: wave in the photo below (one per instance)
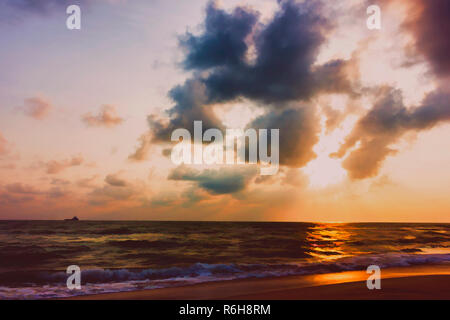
(38, 285)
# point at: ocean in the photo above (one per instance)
(119, 256)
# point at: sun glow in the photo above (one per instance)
(324, 171)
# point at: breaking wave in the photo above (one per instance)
(39, 285)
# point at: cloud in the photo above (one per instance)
(87, 182)
(115, 180)
(163, 199)
(107, 117)
(37, 107)
(19, 188)
(54, 166)
(381, 183)
(334, 117)
(143, 149)
(59, 182)
(193, 196)
(108, 193)
(295, 177)
(384, 125)
(285, 52)
(115, 189)
(19, 193)
(224, 41)
(190, 105)
(429, 23)
(56, 193)
(299, 131)
(238, 56)
(14, 199)
(216, 182)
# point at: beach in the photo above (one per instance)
(410, 283)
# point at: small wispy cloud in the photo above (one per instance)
(115, 180)
(141, 152)
(36, 107)
(56, 166)
(107, 117)
(19, 188)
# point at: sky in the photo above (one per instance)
(86, 115)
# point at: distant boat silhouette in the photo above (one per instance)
(73, 219)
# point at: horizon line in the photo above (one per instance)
(232, 221)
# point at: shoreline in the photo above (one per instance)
(414, 282)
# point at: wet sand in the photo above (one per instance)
(425, 282)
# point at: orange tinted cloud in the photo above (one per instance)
(37, 107)
(87, 182)
(387, 121)
(145, 144)
(108, 194)
(107, 117)
(20, 188)
(115, 180)
(55, 166)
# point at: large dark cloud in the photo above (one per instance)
(385, 124)
(223, 42)
(286, 49)
(374, 135)
(222, 181)
(430, 24)
(190, 105)
(237, 56)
